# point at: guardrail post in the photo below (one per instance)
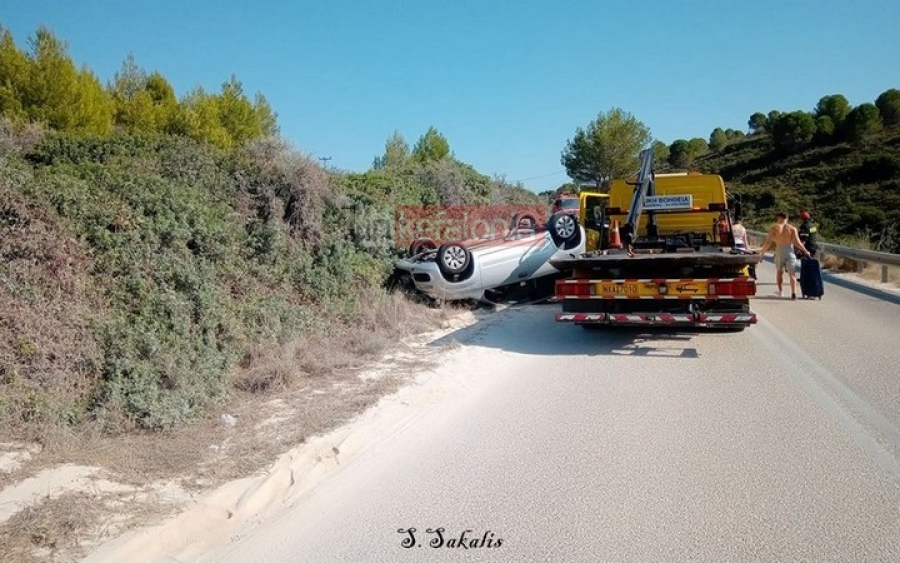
(884, 274)
(860, 266)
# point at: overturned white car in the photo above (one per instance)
(466, 269)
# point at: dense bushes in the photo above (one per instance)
(852, 190)
(187, 257)
(138, 270)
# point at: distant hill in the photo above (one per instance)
(851, 190)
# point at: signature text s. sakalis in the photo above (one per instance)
(440, 537)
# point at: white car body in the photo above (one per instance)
(522, 255)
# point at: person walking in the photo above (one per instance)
(739, 232)
(784, 239)
(742, 243)
(807, 233)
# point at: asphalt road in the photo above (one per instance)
(780, 443)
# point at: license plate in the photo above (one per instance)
(673, 289)
(619, 289)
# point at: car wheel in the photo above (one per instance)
(453, 258)
(524, 221)
(564, 230)
(564, 226)
(420, 245)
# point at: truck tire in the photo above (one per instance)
(453, 259)
(541, 288)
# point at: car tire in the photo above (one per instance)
(524, 217)
(453, 259)
(420, 245)
(564, 230)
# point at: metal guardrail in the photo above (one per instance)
(884, 258)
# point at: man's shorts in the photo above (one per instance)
(785, 259)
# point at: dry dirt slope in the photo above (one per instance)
(60, 503)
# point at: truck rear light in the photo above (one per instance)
(614, 211)
(577, 289)
(736, 288)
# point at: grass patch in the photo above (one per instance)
(64, 528)
(50, 529)
(386, 318)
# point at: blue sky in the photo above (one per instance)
(506, 81)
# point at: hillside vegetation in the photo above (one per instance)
(153, 249)
(138, 271)
(839, 161)
(852, 190)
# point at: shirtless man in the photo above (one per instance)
(783, 236)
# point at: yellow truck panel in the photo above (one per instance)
(592, 216)
(705, 189)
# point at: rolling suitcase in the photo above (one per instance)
(811, 279)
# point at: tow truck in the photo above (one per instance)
(673, 262)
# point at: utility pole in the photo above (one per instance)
(325, 160)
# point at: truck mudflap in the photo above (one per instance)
(692, 319)
(726, 318)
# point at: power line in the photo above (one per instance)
(542, 176)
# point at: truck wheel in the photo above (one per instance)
(453, 259)
(420, 245)
(542, 287)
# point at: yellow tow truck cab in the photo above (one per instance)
(593, 217)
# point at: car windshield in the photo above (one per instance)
(567, 204)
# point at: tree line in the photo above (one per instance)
(608, 146)
(42, 84)
(832, 121)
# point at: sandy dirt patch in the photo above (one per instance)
(216, 474)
